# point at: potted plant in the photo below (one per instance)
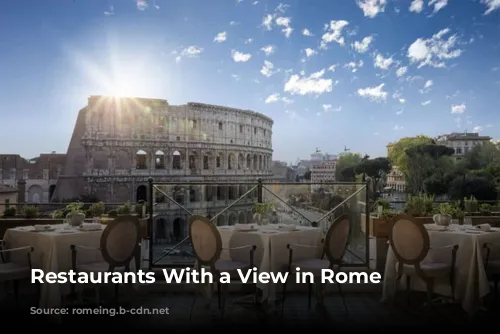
(76, 215)
(9, 212)
(30, 212)
(446, 212)
(420, 205)
(261, 212)
(125, 209)
(97, 209)
(485, 209)
(470, 205)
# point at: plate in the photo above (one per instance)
(46, 230)
(245, 229)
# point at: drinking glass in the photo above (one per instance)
(454, 224)
(467, 222)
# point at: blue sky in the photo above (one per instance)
(330, 73)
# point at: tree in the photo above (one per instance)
(427, 166)
(344, 161)
(397, 153)
(376, 169)
(307, 175)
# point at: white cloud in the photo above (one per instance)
(372, 8)
(333, 33)
(375, 93)
(426, 103)
(353, 66)
(110, 12)
(363, 45)
(276, 97)
(267, 69)
(306, 32)
(398, 127)
(142, 4)
(240, 57)
(236, 77)
(190, 52)
(458, 108)
(434, 51)
(428, 84)
(438, 5)
(310, 52)
(284, 23)
(491, 5)
(399, 112)
(383, 63)
(416, 6)
(267, 21)
(332, 68)
(327, 107)
(233, 23)
(248, 41)
(220, 37)
(477, 128)
(273, 98)
(269, 49)
(401, 71)
(314, 84)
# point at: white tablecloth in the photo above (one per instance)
(52, 253)
(271, 254)
(471, 283)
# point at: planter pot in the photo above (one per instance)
(75, 219)
(442, 220)
(260, 219)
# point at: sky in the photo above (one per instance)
(332, 74)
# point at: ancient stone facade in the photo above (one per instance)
(40, 174)
(118, 143)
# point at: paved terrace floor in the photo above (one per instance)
(365, 313)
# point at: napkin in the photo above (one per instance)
(483, 227)
(435, 227)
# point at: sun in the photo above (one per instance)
(122, 89)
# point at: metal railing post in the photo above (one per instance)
(367, 221)
(150, 221)
(259, 191)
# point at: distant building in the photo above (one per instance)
(40, 174)
(282, 172)
(323, 173)
(395, 180)
(462, 143)
(8, 197)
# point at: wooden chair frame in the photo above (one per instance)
(4, 255)
(221, 297)
(326, 251)
(495, 277)
(417, 261)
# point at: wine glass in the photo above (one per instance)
(467, 222)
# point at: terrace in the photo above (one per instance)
(166, 244)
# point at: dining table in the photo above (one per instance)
(471, 281)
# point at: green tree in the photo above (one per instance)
(307, 175)
(376, 169)
(345, 161)
(428, 166)
(397, 153)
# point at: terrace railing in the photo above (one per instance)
(226, 203)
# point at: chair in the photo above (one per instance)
(119, 242)
(207, 247)
(492, 267)
(334, 246)
(410, 243)
(14, 272)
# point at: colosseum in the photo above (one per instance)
(118, 143)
